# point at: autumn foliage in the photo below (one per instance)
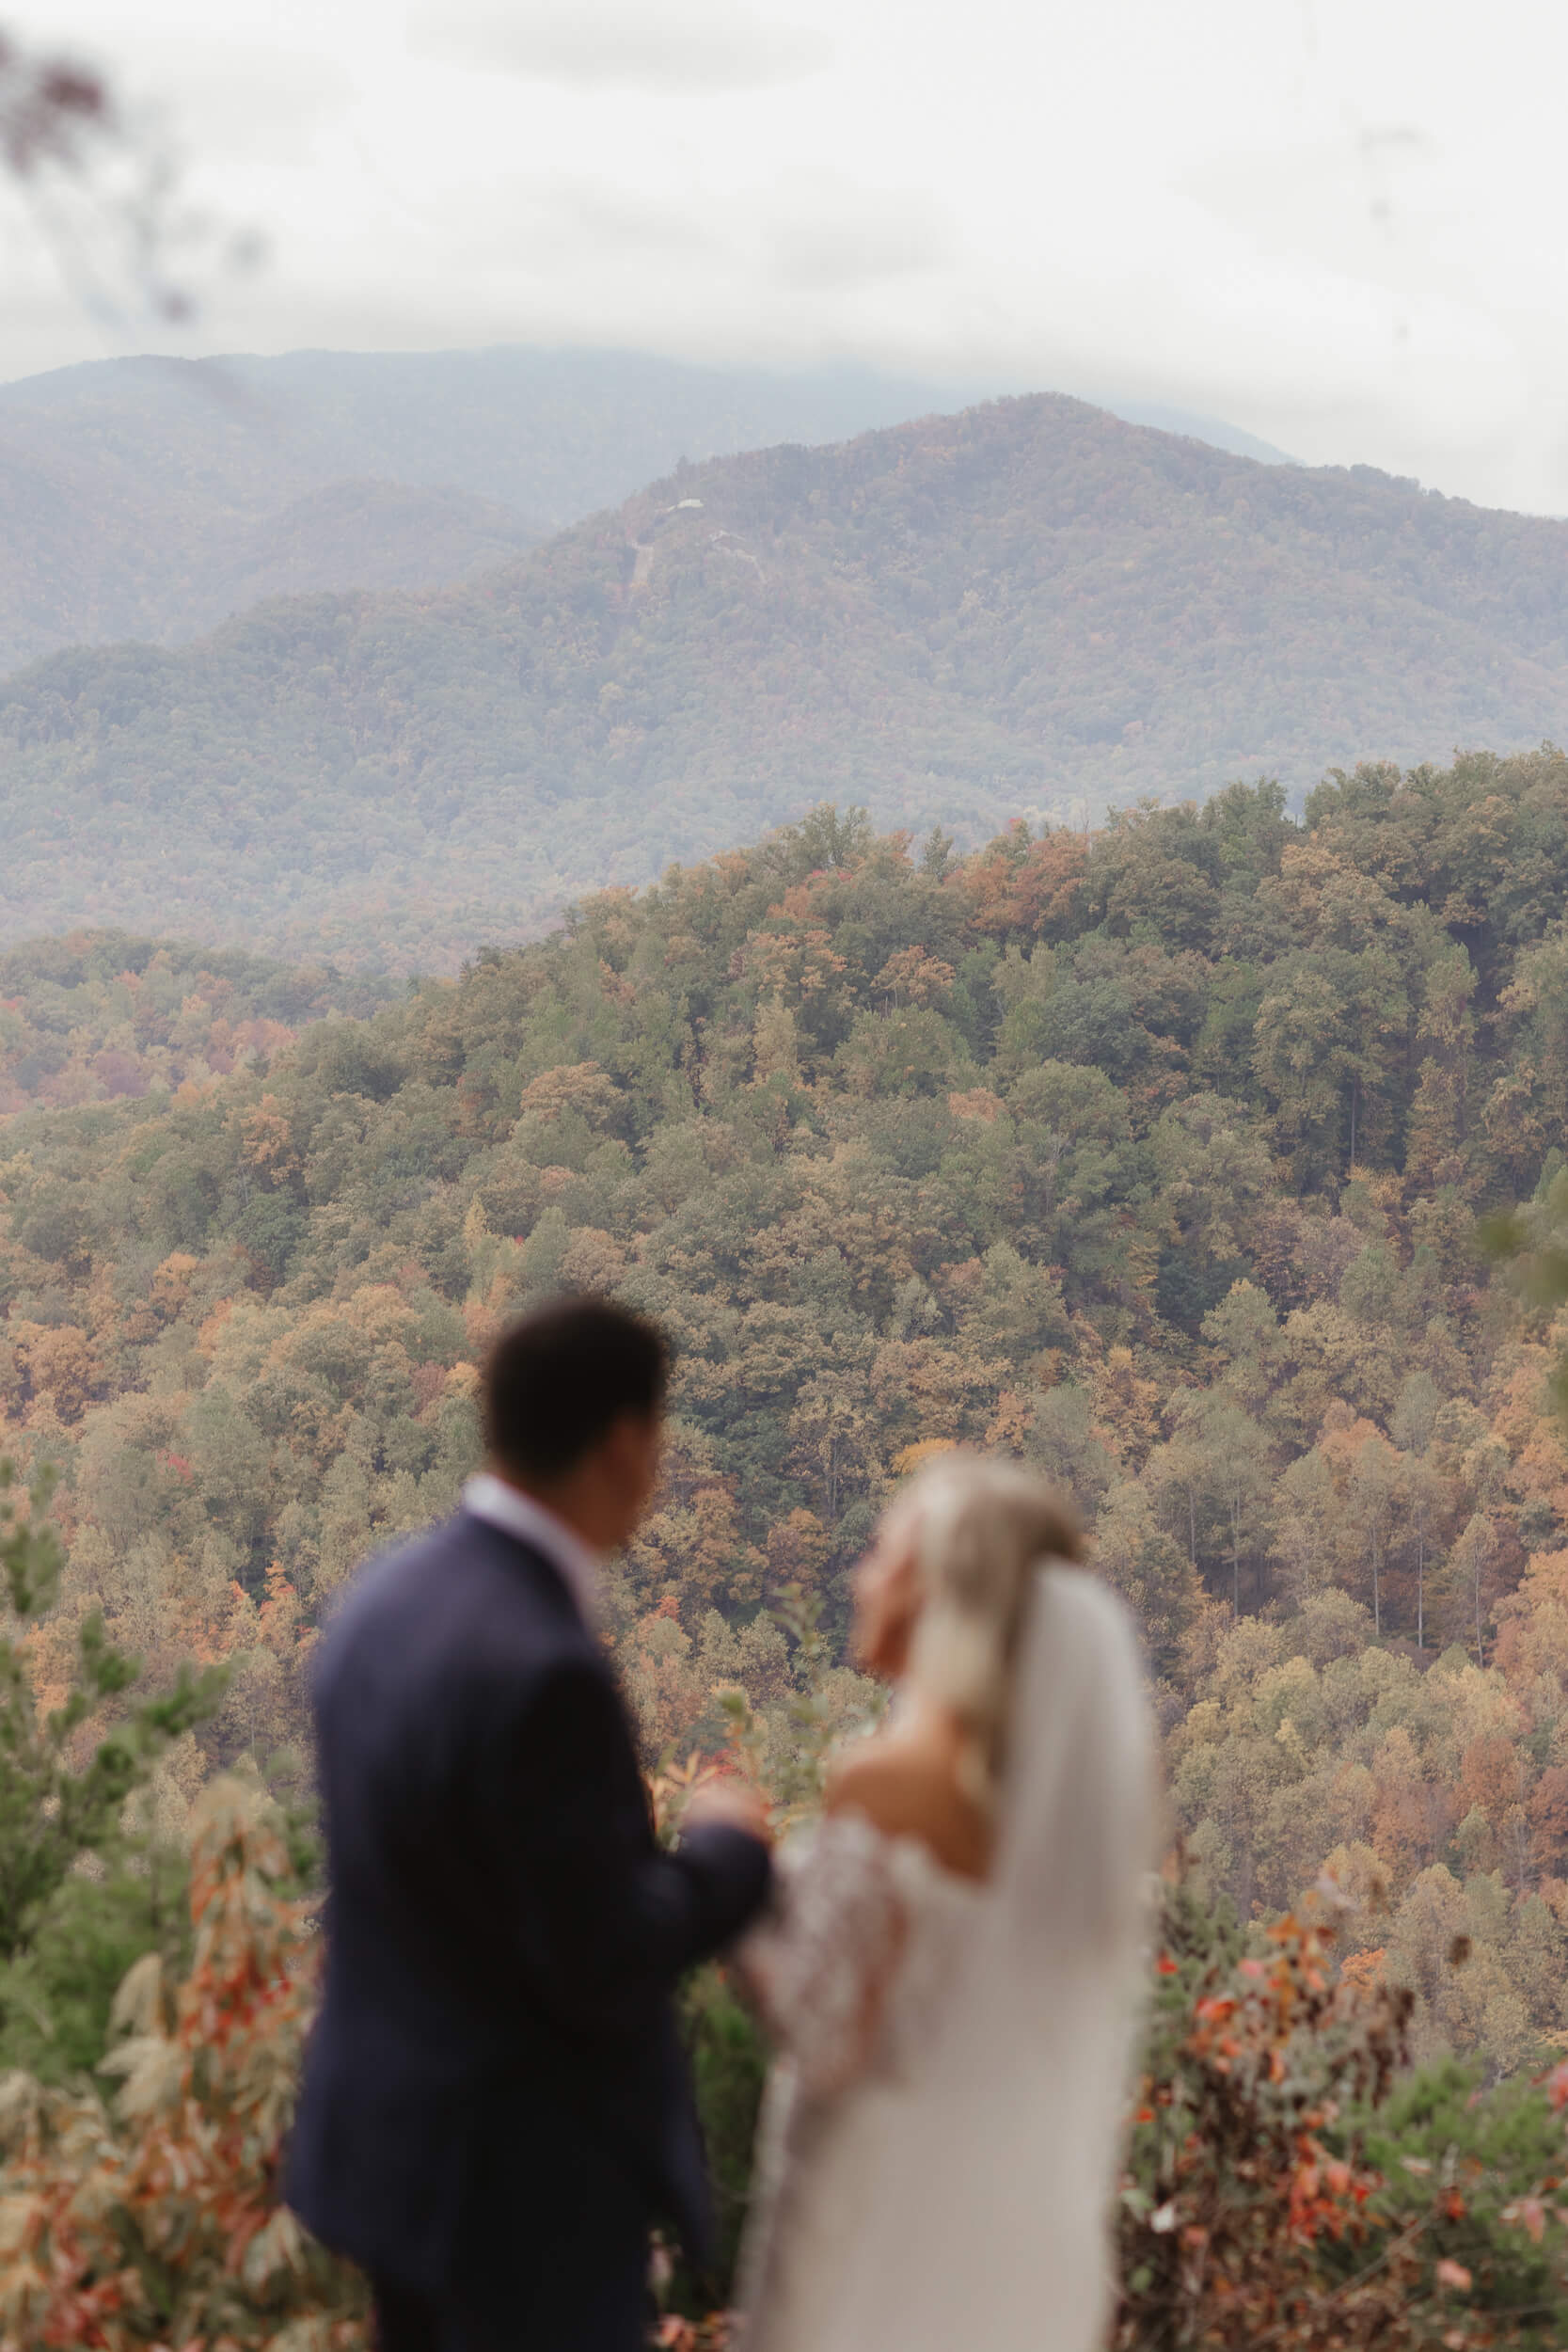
(1155, 1156)
(1240, 2171)
(1253, 2212)
(1159, 1158)
(154, 2217)
(1261, 2205)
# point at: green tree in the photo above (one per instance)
(52, 1814)
(1152, 1572)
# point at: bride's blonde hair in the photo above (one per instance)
(979, 1531)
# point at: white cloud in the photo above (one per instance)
(825, 231)
(1337, 224)
(625, 43)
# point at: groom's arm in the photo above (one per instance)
(605, 1921)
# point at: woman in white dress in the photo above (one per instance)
(952, 1968)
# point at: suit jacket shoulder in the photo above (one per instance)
(467, 1614)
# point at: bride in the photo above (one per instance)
(951, 1969)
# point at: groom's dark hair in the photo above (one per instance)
(557, 1380)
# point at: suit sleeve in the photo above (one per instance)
(606, 1921)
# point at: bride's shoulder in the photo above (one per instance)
(906, 1793)
(866, 1778)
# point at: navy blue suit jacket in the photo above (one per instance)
(494, 2077)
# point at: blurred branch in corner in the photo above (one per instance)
(101, 184)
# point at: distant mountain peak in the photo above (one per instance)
(1030, 607)
(153, 497)
(1211, 430)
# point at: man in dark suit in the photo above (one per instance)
(495, 2108)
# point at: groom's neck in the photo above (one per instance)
(603, 1494)
(558, 1496)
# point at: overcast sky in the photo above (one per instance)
(1336, 223)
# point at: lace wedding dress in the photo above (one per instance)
(850, 1972)
(940, 2135)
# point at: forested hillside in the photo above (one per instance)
(1030, 607)
(1153, 1155)
(153, 498)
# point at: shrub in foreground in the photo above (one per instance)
(154, 2219)
(1292, 2183)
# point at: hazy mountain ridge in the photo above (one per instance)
(154, 497)
(1028, 608)
(78, 565)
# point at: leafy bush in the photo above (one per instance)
(1490, 2149)
(156, 2217)
(57, 1992)
(1290, 2182)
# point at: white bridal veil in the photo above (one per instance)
(989, 2232)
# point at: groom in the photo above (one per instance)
(494, 2108)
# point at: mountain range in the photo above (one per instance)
(155, 498)
(1031, 607)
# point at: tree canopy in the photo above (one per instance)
(1153, 1155)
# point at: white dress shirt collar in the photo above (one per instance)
(499, 1504)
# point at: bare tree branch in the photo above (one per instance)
(104, 188)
